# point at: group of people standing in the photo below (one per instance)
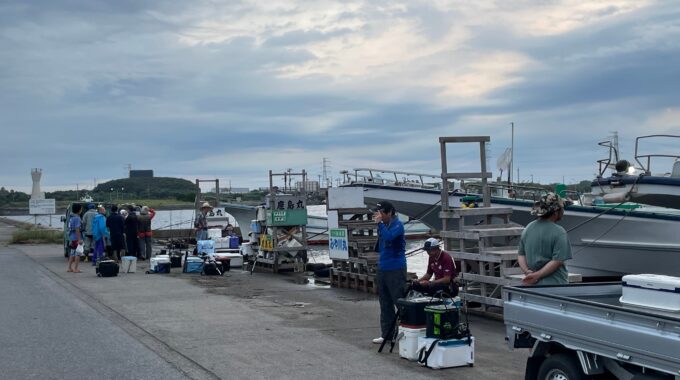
(110, 235)
(543, 249)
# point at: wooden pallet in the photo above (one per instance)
(357, 281)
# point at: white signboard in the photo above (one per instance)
(338, 246)
(333, 219)
(42, 207)
(345, 197)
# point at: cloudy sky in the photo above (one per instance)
(231, 89)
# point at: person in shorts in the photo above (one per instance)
(75, 238)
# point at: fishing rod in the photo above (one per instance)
(174, 224)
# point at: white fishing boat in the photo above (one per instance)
(606, 240)
(638, 183)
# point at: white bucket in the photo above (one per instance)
(128, 264)
(246, 249)
(408, 342)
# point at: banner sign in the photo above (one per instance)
(266, 243)
(42, 207)
(294, 217)
(338, 246)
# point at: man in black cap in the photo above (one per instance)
(391, 276)
(441, 265)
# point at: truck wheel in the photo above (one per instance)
(561, 367)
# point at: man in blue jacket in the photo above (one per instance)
(391, 264)
(99, 233)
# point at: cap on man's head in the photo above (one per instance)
(431, 243)
(90, 205)
(206, 205)
(384, 206)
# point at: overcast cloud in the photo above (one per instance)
(231, 89)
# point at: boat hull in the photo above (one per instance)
(611, 244)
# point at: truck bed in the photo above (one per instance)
(590, 318)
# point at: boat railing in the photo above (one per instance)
(391, 178)
(504, 190)
(607, 163)
(646, 162)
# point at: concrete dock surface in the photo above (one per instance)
(207, 327)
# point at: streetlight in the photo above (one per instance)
(111, 195)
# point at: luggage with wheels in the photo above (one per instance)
(107, 268)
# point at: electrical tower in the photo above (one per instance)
(325, 171)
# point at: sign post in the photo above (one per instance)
(41, 207)
(338, 246)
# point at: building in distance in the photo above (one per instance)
(141, 173)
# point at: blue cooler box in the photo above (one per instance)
(233, 242)
(193, 265)
(205, 246)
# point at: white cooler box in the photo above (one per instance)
(448, 353)
(157, 260)
(408, 342)
(653, 291)
(221, 242)
(128, 264)
(214, 233)
(235, 259)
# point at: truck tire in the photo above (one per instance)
(561, 367)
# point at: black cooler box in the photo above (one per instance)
(412, 311)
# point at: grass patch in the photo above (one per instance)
(37, 236)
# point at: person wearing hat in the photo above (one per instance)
(144, 232)
(201, 223)
(544, 245)
(391, 277)
(441, 265)
(88, 217)
(116, 225)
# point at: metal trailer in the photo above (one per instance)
(582, 331)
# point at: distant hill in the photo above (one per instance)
(155, 187)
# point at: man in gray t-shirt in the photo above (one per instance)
(544, 245)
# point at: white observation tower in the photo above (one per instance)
(36, 193)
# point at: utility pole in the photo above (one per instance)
(512, 153)
(517, 179)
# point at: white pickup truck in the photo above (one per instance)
(582, 331)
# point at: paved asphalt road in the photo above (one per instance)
(58, 325)
(46, 332)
